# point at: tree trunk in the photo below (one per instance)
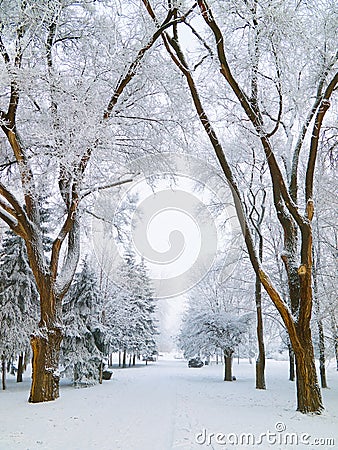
(130, 358)
(321, 343)
(322, 368)
(227, 366)
(309, 398)
(76, 375)
(20, 369)
(45, 365)
(26, 359)
(124, 358)
(260, 362)
(134, 359)
(119, 358)
(291, 362)
(3, 369)
(101, 372)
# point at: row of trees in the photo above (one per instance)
(96, 323)
(83, 80)
(220, 318)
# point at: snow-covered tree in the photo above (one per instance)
(206, 330)
(65, 67)
(83, 343)
(129, 312)
(18, 298)
(274, 66)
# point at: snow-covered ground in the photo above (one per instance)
(166, 405)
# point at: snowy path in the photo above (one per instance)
(163, 407)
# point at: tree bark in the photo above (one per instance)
(260, 362)
(308, 391)
(3, 369)
(101, 372)
(321, 345)
(227, 366)
(134, 359)
(20, 369)
(124, 358)
(291, 362)
(26, 359)
(45, 364)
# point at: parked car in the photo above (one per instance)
(195, 362)
(149, 358)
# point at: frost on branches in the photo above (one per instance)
(206, 330)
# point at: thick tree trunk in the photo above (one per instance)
(45, 365)
(20, 369)
(134, 359)
(291, 362)
(227, 367)
(309, 398)
(308, 392)
(130, 358)
(3, 369)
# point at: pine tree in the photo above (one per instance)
(130, 311)
(18, 298)
(82, 345)
(147, 329)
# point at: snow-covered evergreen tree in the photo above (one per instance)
(143, 305)
(130, 311)
(18, 298)
(82, 345)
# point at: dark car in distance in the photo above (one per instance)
(195, 362)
